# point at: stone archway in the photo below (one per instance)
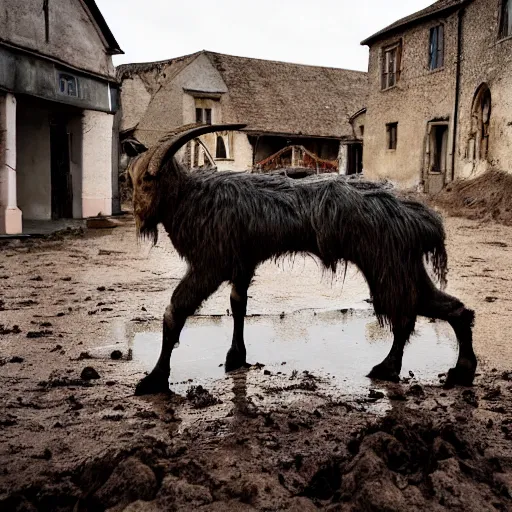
(480, 122)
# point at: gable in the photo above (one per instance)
(65, 31)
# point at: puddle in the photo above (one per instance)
(340, 347)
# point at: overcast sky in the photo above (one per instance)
(318, 32)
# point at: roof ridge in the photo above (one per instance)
(415, 17)
(208, 53)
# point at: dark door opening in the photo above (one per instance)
(62, 191)
(438, 159)
(355, 159)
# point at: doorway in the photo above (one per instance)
(355, 158)
(437, 157)
(61, 182)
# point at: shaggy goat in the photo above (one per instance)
(225, 224)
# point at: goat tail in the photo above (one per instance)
(432, 238)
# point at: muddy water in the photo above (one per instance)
(340, 346)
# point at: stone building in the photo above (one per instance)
(284, 105)
(440, 94)
(58, 97)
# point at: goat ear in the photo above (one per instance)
(168, 148)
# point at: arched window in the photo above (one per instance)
(481, 118)
(221, 148)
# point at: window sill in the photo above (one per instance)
(503, 39)
(390, 150)
(224, 159)
(389, 88)
(436, 70)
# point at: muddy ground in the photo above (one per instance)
(274, 437)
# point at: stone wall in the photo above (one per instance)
(423, 98)
(420, 96)
(486, 60)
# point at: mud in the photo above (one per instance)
(309, 434)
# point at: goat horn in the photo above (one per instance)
(168, 148)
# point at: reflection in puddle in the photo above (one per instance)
(340, 346)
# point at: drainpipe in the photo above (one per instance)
(460, 15)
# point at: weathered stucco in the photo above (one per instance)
(423, 98)
(419, 96)
(73, 36)
(135, 99)
(10, 214)
(96, 164)
(486, 60)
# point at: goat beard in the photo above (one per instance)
(147, 231)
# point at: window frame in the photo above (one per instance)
(397, 47)
(504, 4)
(68, 79)
(204, 115)
(389, 139)
(438, 29)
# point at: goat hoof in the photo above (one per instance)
(154, 383)
(459, 376)
(384, 372)
(235, 361)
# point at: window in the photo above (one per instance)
(436, 49)
(392, 133)
(361, 130)
(220, 151)
(204, 115)
(391, 65)
(68, 85)
(506, 19)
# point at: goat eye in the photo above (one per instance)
(148, 177)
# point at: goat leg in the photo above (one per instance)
(389, 369)
(236, 356)
(193, 289)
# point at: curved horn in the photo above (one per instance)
(169, 148)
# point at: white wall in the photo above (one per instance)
(33, 161)
(96, 163)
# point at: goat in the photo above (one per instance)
(226, 224)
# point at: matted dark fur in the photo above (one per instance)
(225, 224)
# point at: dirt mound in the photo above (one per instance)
(488, 196)
(406, 461)
(406, 464)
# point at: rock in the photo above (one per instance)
(16, 359)
(381, 495)
(201, 397)
(39, 334)
(417, 391)
(89, 373)
(116, 355)
(375, 395)
(469, 397)
(130, 481)
(180, 494)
